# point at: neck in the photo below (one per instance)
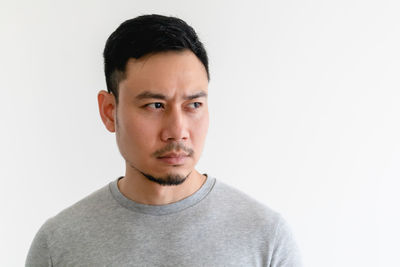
(138, 188)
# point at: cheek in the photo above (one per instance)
(199, 130)
(138, 133)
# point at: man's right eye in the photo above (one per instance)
(156, 105)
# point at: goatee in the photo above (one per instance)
(170, 179)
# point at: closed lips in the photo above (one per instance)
(174, 155)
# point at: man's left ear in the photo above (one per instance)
(107, 108)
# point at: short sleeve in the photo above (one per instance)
(39, 253)
(286, 252)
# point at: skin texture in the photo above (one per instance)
(162, 109)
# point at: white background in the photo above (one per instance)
(304, 108)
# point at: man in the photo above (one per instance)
(162, 212)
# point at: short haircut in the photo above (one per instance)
(143, 35)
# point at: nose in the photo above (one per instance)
(175, 126)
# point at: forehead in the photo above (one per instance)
(167, 72)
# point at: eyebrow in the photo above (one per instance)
(147, 95)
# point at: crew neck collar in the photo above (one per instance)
(180, 205)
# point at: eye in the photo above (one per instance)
(196, 105)
(156, 105)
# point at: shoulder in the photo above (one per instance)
(86, 210)
(238, 200)
(261, 223)
(58, 230)
(258, 224)
(245, 209)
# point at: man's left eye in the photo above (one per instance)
(195, 105)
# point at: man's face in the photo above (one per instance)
(162, 116)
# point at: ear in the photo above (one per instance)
(107, 108)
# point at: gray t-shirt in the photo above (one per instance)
(216, 226)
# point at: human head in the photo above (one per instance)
(144, 35)
(157, 69)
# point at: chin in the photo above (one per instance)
(175, 171)
(169, 179)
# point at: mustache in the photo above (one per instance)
(173, 146)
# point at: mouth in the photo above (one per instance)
(174, 158)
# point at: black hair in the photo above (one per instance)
(144, 35)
